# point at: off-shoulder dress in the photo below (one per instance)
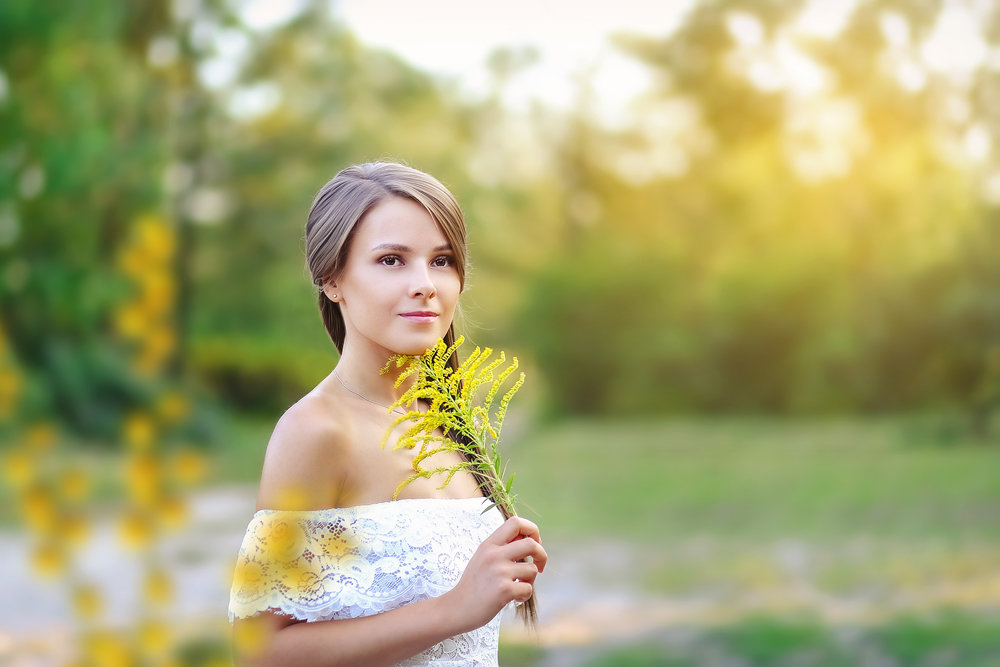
(357, 561)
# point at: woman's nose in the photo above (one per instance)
(423, 284)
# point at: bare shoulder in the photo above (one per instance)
(308, 456)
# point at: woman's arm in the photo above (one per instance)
(503, 569)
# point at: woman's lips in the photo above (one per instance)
(420, 316)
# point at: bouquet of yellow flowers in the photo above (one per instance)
(453, 420)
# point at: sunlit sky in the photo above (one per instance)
(452, 39)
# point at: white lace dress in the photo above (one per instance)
(358, 561)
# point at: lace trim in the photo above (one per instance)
(358, 561)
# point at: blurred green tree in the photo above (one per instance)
(794, 220)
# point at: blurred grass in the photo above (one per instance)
(948, 639)
(760, 478)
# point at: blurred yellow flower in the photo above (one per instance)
(87, 602)
(139, 431)
(49, 559)
(250, 636)
(74, 485)
(173, 406)
(281, 538)
(130, 322)
(301, 576)
(42, 437)
(160, 341)
(158, 292)
(172, 511)
(75, 529)
(132, 261)
(19, 468)
(293, 498)
(40, 509)
(106, 650)
(154, 638)
(142, 478)
(135, 530)
(10, 389)
(155, 238)
(157, 588)
(248, 578)
(188, 466)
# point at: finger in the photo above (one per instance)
(522, 591)
(525, 572)
(523, 549)
(513, 528)
(528, 529)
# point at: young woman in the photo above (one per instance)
(332, 570)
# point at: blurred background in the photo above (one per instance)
(749, 253)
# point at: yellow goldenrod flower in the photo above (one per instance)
(130, 322)
(188, 466)
(143, 479)
(452, 422)
(157, 588)
(301, 577)
(40, 509)
(10, 389)
(108, 650)
(173, 406)
(282, 538)
(132, 261)
(155, 238)
(19, 468)
(154, 638)
(87, 602)
(41, 437)
(248, 577)
(293, 498)
(139, 431)
(75, 529)
(250, 636)
(74, 484)
(172, 512)
(48, 559)
(157, 293)
(135, 530)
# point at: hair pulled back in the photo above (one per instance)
(342, 203)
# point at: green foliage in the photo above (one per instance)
(255, 375)
(80, 159)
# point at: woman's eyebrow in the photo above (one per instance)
(397, 247)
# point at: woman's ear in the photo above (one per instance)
(330, 290)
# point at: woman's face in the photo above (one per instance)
(400, 286)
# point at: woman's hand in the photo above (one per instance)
(503, 569)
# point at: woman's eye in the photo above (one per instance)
(389, 260)
(442, 261)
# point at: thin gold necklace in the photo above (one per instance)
(363, 397)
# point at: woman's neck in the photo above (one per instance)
(361, 373)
